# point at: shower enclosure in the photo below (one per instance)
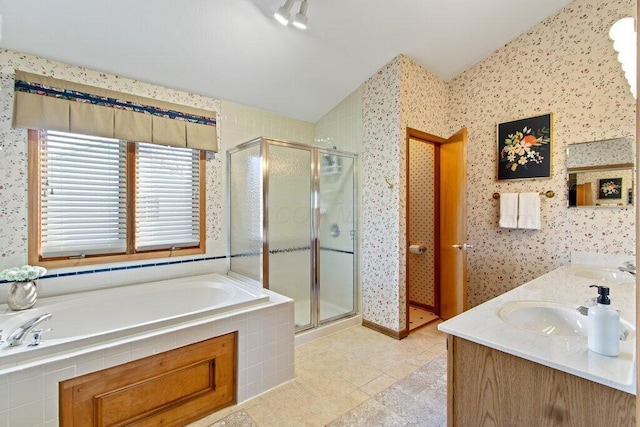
(292, 225)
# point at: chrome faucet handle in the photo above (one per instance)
(36, 336)
(15, 338)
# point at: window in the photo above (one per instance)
(167, 208)
(105, 200)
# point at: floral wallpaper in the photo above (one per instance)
(565, 65)
(13, 157)
(604, 152)
(401, 94)
(379, 237)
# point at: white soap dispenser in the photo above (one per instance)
(603, 325)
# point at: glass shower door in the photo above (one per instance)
(289, 233)
(337, 236)
(245, 212)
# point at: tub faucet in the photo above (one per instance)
(628, 267)
(15, 338)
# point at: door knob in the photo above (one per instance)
(462, 247)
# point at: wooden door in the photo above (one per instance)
(453, 225)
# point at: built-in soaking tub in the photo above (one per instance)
(97, 317)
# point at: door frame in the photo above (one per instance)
(436, 141)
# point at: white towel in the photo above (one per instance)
(529, 211)
(509, 210)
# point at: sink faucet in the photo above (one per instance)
(15, 338)
(628, 267)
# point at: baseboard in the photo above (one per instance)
(384, 330)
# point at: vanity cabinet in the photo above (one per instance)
(487, 387)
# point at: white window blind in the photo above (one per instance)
(167, 197)
(83, 198)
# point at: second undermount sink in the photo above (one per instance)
(551, 318)
(603, 274)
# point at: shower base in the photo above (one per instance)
(327, 311)
(310, 335)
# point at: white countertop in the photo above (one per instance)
(570, 354)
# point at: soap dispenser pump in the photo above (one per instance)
(603, 325)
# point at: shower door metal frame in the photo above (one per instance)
(319, 152)
(313, 209)
(314, 204)
(230, 152)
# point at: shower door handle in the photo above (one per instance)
(462, 247)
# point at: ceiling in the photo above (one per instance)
(235, 50)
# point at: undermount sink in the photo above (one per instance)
(551, 318)
(603, 274)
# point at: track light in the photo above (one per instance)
(300, 20)
(623, 35)
(283, 14)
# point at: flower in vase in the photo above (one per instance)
(22, 274)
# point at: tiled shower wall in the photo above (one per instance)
(241, 123)
(565, 65)
(342, 126)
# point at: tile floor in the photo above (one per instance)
(354, 377)
(419, 317)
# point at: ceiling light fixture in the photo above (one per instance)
(300, 20)
(283, 14)
(623, 34)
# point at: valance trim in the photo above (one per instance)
(43, 102)
(71, 95)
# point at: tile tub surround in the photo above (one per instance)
(265, 359)
(83, 319)
(482, 325)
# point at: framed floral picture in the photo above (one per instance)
(610, 188)
(524, 148)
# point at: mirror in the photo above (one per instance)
(601, 173)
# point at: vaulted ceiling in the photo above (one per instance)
(235, 50)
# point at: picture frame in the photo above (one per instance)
(610, 188)
(525, 148)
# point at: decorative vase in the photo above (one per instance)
(22, 295)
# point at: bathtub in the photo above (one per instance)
(100, 317)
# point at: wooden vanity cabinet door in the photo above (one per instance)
(170, 388)
(487, 387)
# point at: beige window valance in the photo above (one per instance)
(43, 102)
